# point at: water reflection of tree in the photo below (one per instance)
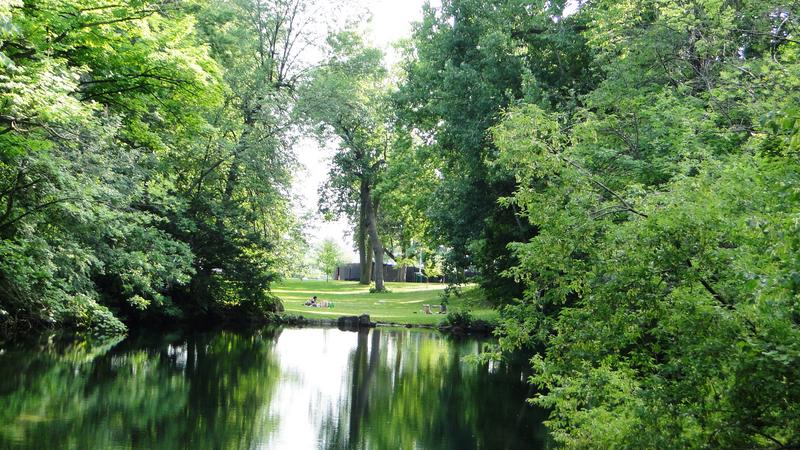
(363, 372)
(339, 426)
(205, 391)
(411, 389)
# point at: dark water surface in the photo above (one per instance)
(277, 388)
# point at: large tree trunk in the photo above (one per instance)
(364, 247)
(377, 246)
(368, 266)
(363, 255)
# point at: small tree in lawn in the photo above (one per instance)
(433, 268)
(329, 256)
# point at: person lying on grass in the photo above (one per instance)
(314, 303)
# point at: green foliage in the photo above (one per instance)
(405, 188)
(329, 257)
(460, 318)
(659, 285)
(624, 179)
(144, 160)
(434, 266)
(73, 182)
(451, 291)
(468, 60)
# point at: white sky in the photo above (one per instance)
(391, 21)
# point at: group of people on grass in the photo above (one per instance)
(314, 303)
(427, 309)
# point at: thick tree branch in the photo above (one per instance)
(627, 206)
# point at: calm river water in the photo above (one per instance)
(276, 388)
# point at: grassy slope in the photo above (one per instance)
(402, 305)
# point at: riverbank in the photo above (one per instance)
(402, 305)
(356, 323)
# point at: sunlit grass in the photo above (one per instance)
(403, 304)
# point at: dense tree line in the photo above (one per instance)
(624, 176)
(145, 157)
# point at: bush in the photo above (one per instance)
(462, 319)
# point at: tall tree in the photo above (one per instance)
(239, 189)
(345, 100)
(467, 61)
(407, 188)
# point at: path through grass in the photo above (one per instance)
(402, 305)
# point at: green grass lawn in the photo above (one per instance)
(402, 305)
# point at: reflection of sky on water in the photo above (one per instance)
(333, 383)
(313, 365)
(324, 373)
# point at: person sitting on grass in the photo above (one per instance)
(312, 302)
